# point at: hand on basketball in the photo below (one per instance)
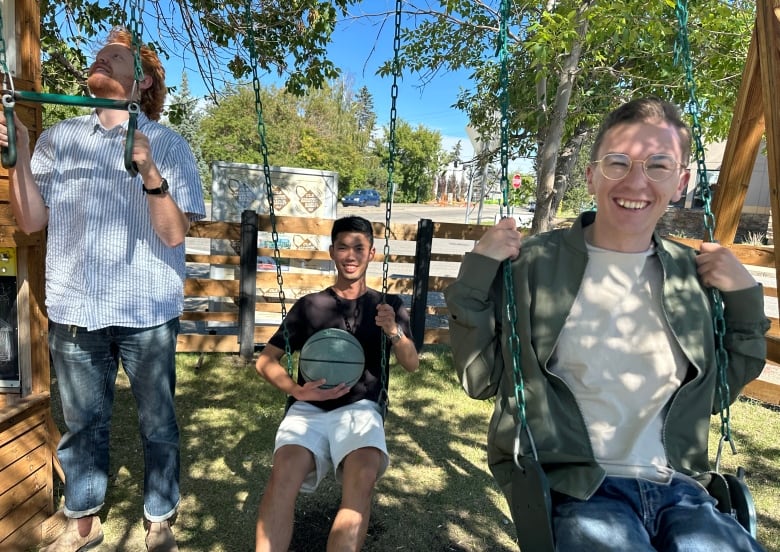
(311, 391)
(385, 318)
(501, 241)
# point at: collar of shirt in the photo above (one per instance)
(97, 126)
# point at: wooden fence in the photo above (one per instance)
(221, 314)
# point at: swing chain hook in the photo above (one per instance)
(517, 451)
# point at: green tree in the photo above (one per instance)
(290, 38)
(417, 158)
(570, 62)
(184, 117)
(321, 130)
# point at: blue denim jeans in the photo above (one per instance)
(638, 515)
(86, 364)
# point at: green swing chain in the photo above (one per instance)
(682, 54)
(10, 95)
(267, 175)
(134, 107)
(8, 153)
(511, 304)
(384, 397)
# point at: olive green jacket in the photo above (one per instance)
(546, 278)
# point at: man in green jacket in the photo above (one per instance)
(617, 350)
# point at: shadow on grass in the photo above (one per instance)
(433, 498)
(755, 427)
(228, 418)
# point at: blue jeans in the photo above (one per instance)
(86, 365)
(639, 515)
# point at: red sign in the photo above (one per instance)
(517, 180)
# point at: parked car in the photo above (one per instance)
(362, 198)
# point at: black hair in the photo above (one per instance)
(352, 223)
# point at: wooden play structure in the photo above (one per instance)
(28, 436)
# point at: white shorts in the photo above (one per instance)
(332, 435)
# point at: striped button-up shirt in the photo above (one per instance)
(105, 265)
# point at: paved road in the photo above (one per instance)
(405, 213)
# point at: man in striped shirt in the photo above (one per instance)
(115, 268)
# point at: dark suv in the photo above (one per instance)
(362, 198)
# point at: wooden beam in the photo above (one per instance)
(768, 32)
(764, 391)
(739, 157)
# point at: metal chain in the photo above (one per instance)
(137, 31)
(7, 153)
(134, 107)
(511, 303)
(682, 54)
(267, 176)
(390, 185)
(3, 62)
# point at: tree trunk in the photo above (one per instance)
(567, 164)
(548, 153)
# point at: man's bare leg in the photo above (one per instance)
(358, 479)
(277, 508)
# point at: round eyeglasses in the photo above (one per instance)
(657, 167)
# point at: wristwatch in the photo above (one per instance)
(163, 189)
(396, 337)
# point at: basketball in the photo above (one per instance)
(332, 354)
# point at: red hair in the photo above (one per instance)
(152, 98)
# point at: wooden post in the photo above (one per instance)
(768, 35)
(739, 157)
(248, 285)
(422, 268)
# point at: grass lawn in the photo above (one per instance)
(436, 496)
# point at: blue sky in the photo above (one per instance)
(360, 45)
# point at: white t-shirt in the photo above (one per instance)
(619, 357)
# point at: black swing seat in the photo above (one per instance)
(734, 498)
(532, 505)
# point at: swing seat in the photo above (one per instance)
(734, 498)
(532, 505)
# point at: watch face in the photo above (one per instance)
(163, 189)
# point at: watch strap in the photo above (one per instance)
(396, 337)
(161, 189)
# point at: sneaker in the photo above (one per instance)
(159, 537)
(71, 541)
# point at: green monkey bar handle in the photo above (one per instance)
(62, 99)
(9, 157)
(132, 125)
(9, 152)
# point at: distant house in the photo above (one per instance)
(757, 199)
(755, 219)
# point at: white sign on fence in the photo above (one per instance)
(296, 192)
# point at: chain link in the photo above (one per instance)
(269, 190)
(682, 54)
(390, 185)
(511, 304)
(3, 61)
(136, 29)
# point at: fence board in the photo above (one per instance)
(298, 283)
